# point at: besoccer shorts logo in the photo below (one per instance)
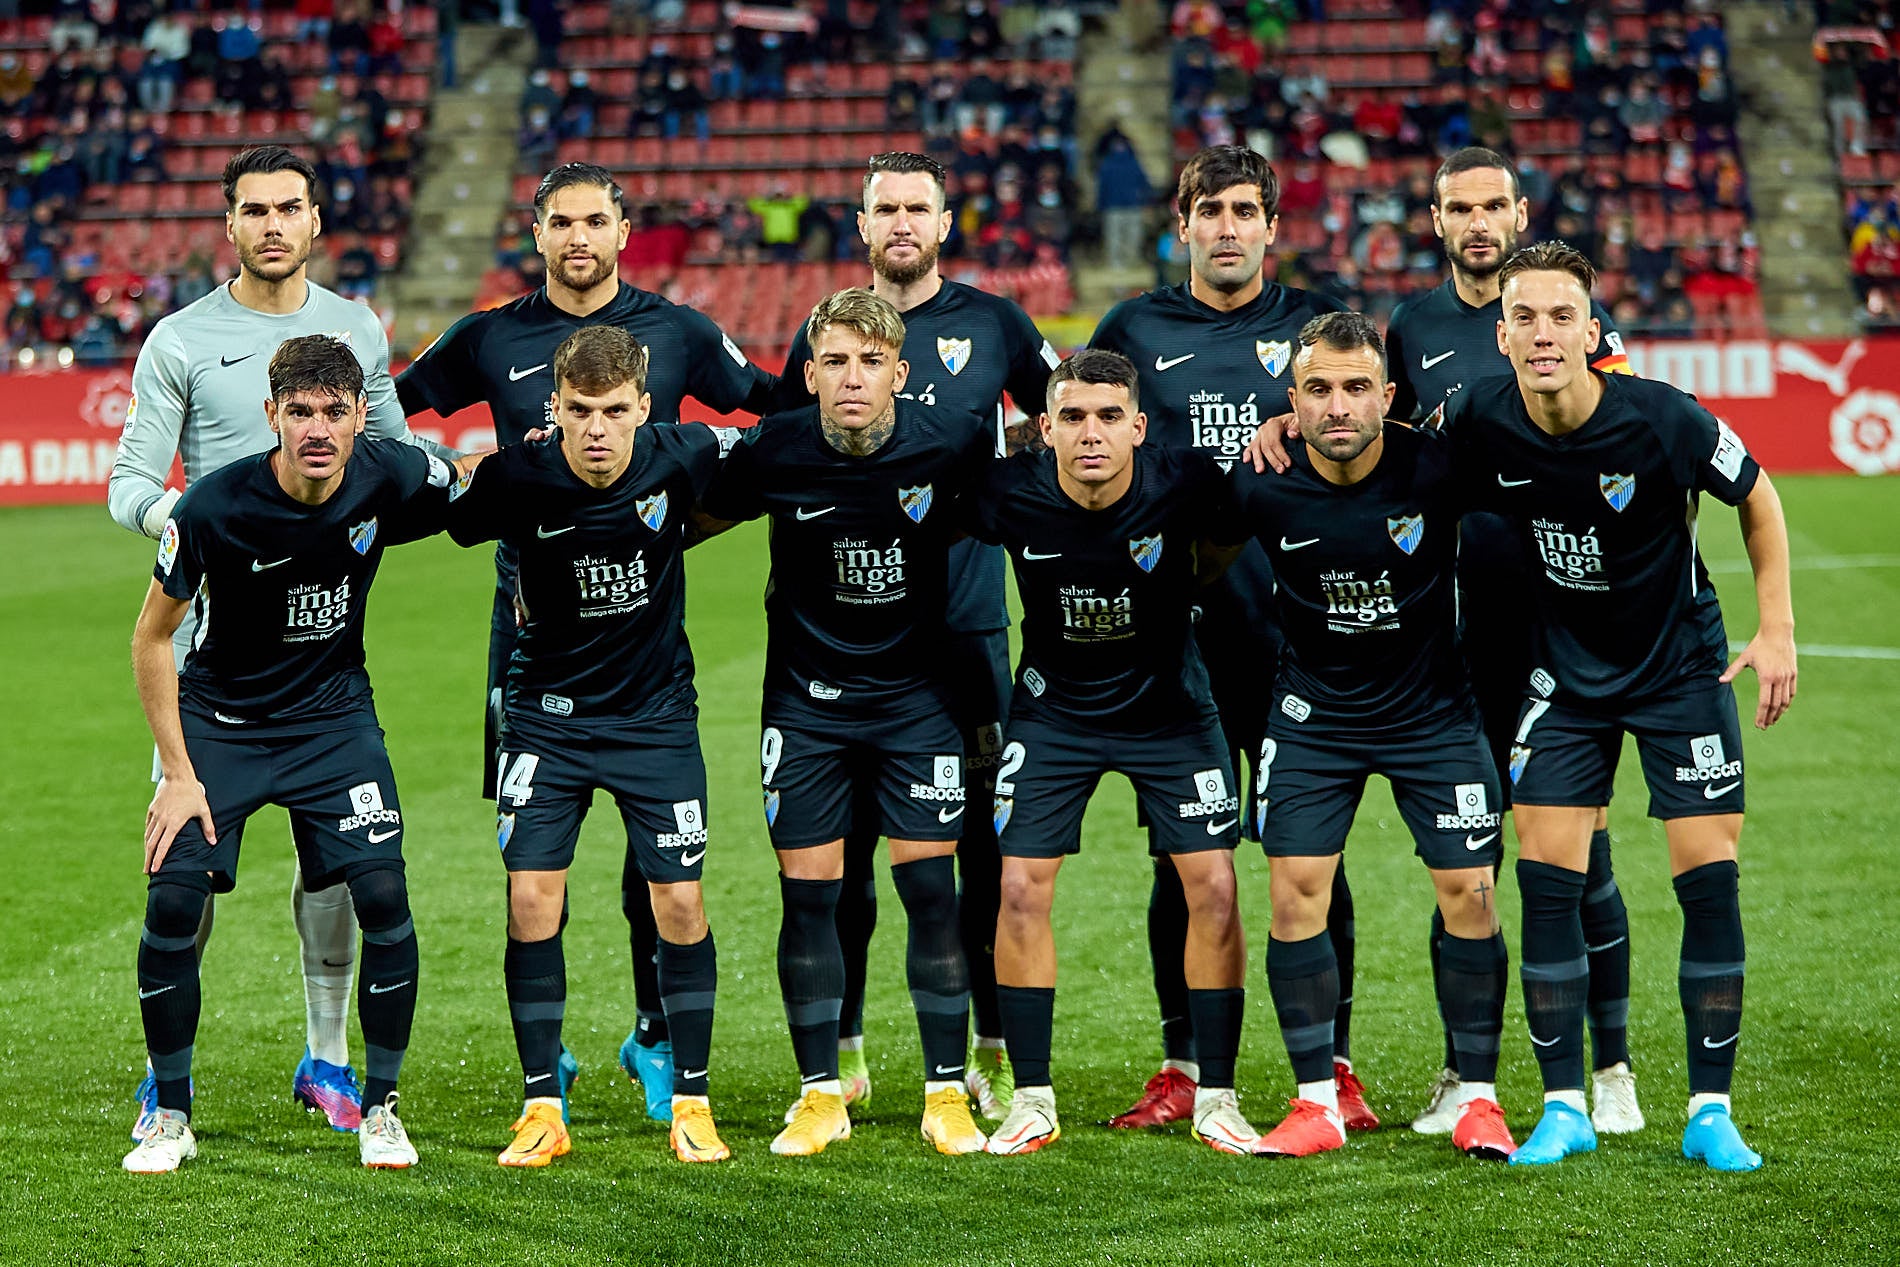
(946, 780)
(915, 502)
(366, 807)
(363, 535)
(1146, 552)
(689, 823)
(652, 510)
(1275, 354)
(1000, 810)
(954, 353)
(1472, 809)
(771, 807)
(1617, 489)
(1211, 787)
(1406, 531)
(1711, 762)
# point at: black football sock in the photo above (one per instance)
(1167, 951)
(1555, 972)
(857, 920)
(535, 975)
(1029, 1021)
(643, 945)
(688, 977)
(933, 963)
(980, 868)
(1217, 1016)
(386, 999)
(1304, 979)
(168, 983)
(1437, 949)
(1606, 939)
(1710, 976)
(811, 974)
(1471, 981)
(1340, 927)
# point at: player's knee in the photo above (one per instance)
(175, 905)
(927, 886)
(1025, 894)
(679, 912)
(381, 898)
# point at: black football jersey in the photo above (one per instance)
(1622, 606)
(966, 348)
(281, 587)
(1107, 594)
(1364, 592)
(600, 574)
(859, 554)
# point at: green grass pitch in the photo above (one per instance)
(1814, 1091)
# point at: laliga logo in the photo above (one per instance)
(1864, 429)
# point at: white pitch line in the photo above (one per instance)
(1830, 651)
(1816, 563)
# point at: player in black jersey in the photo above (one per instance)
(504, 356)
(599, 694)
(861, 490)
(274, 706)
(1362, 532)
(1103, 534)
(1436, 343)
(1601, 475)
(965, 349)
(1216, 357)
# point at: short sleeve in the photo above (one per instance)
(980, 514)
(180, 568)
(476, 507)
(703, 450)
(1111, 333)
(718, 374)
(1032, 360)
(1405, 398)
(1611, 357)
(736, 492)
(1705, 454)
(1230, 502)
(444, 378)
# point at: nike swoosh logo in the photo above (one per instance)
(692, 1073)
(950, 815)
(1504, 483)
(258, 566)
(378, 837)
(688, 859)
(1161, 365)
(1481, 842)
(1725, 1042)
(515, 375)
(539, 1077)
(385, 989)
(802, 515)
(1029, 555)
(544, 534)
(1546, 1042)
(1597, 950)
(1426, 362)
(1215, 829)
(1297, 545)
(146, 994)
(947, 1070)
(228, 361)
(1711, 793)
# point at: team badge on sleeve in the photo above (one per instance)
(1618, 490)
(1727, 458)
(363, 535)
(1407, 531)
(915, 501)
(1146, 552)
(1275, 354)
(954, 353)
(652, 510)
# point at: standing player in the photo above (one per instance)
(1221, 348)
(1103, 534)
(503, 356)
(965, 349)
(1437, 343)
(273, 706)
(195, 390)
(1601, 475)
(1363, 535)
(860, 489)
(599, 694)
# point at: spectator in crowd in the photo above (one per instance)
(1122, 196)
(778, 211)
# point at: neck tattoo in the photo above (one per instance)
(863, 441)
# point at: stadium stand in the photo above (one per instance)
(1861, 91)
(115, 135)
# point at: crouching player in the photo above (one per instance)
(274, 707)
(1102, 533)
(599, 694)
(1362, 532)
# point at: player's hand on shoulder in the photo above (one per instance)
(536, 435)
(1771, 654)
(175, 802)
(1268, 446)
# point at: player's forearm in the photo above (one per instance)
(1765, 535)
(156, 672)
(137, 502)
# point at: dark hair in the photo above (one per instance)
(1221, 167)
(263, 160)
(1344, 332)
(571, 175)
(903, 162)
(1473, 158)
(597, 359)
(316, 363)
(1550, 257)
(1097, 365)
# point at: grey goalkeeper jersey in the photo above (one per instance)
(199, 387)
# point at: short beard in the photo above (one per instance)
(903, 275)
(603, 269)
(251, 263)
